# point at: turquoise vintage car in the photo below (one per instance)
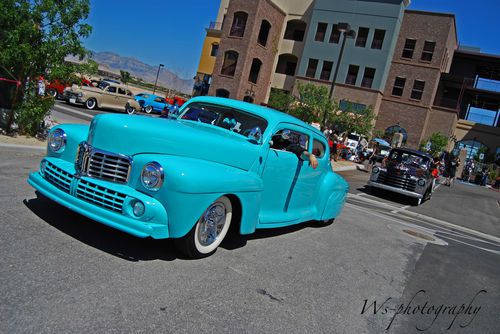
(221, 162)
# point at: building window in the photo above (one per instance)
(409, 48)
(222, 93)
(239, 24)
(311, 68)
(287, 63)
(378, 39)
(230, 61)
(352, 75)
(327, 70)
(368, 77)
(335, 35)
(265, 27)
(295, 30)
(399, 86)
(215, 49)
(356, 108)
(362, 37)
(428, 51)
(320, 32)
(254, 70)
(418, 89)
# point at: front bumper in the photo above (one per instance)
(102, 201)
(395, 189)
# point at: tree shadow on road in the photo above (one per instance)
(100, 236)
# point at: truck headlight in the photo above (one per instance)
(152, 176)
(421, 182)
(375, 170)
(57, 141)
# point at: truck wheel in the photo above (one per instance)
(148, 109)
(209, 231)
(91, 103)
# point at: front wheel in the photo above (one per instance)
(52, 92)
(90, 104)
(209, 230)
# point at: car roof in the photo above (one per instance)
(410, 150)
(271, 115)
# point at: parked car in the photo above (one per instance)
(405, 171)
(105, 96)
(150, 102)
(216, 165)
(56, 88)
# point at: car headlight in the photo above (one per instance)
(375, 170)
(80, 94)
(152, 176)
(421, 182)
(57, 141)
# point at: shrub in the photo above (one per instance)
(31, 113)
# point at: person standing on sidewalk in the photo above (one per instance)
(451, 169)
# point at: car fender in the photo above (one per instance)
(191, 185)
(333, 195)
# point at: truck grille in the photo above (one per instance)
(397, 181)
(103, 165)
(100, 196)
(58, 177)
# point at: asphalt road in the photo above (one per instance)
(61, 272)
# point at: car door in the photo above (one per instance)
(159, 103)
(288, 181)
(108, 97)
(121, 99)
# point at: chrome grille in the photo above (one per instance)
(57, 176)
(102, 165)
(397, 181)
(100, 196)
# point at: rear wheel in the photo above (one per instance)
(129, 109)
(91, 103)
(209, 230)
(52, 92)
(148, 109)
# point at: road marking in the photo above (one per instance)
(430, 219)
(401, 209)
(29, 147)
(59, 106)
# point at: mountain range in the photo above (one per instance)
(142, 70)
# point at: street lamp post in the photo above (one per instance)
(346, 31)
(157, 73)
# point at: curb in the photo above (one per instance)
(347, 168)
(29, 147)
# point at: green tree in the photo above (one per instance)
(280, 100)
(125, 76)
(313, 103)
(354, 120)
(35, 37)
(438, 143)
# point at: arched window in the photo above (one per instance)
(254, 71)
(222, 93)
(390, 131)
(295, 30)
(472, 147)
(239, 24)
(230, 61)
(265, 27)
(287, 63)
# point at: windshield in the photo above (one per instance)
(353, 137)
(103, 84)
(408, 158)
(232, 119)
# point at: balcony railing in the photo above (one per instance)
(215, 25)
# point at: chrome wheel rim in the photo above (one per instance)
(211, 224)
(90, 104)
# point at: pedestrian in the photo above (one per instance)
(397, 139)
(335, 141)
(373, 158)
(41, 86)
(451, 169)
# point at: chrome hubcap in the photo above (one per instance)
(211, 224)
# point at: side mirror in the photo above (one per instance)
(256, 135)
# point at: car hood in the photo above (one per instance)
(394, 167)
(131, 135)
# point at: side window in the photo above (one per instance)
(146, 96)
(159, 99)
(111, 89)
(129, 93)
(318, 149)
(286, 138)
(122, 91)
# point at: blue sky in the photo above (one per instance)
(171, 32)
